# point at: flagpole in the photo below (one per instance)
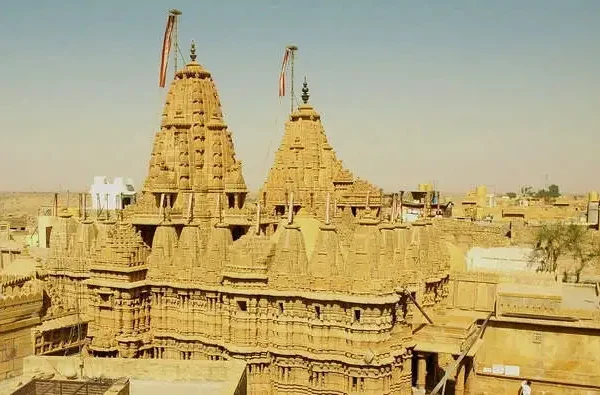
(292, 49)
(176, 13)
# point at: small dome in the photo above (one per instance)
(250, 257)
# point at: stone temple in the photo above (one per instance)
(316, 286)
(310, 285)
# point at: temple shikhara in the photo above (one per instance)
(321, 284)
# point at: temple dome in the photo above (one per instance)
(249, 258)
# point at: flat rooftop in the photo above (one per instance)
(142, 376)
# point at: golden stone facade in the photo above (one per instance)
(309, 286)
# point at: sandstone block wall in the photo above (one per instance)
(230, 374)
(14, 346)
(556, 360)
(468, 234)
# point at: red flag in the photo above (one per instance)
(286, 56)
(166, 51)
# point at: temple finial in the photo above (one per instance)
(305, 95)
(193, 51)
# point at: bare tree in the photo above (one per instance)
(585, 254)
(550, 244)
(558, 240)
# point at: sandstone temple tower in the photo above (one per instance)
(310, 286)
(307, 167)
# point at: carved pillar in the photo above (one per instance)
(421, 370)
(459, 386)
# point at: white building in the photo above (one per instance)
(115, 196)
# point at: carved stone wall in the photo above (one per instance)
(20, 306)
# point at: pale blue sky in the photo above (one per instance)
(458, 92)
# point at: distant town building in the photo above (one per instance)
(593, 209)
(115, 196)
(423, 203)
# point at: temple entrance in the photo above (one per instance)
(147, 232)
(238, 231)
(428, 369)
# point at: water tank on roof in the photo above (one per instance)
(100, 180)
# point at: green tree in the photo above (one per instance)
(527, 191)
(511, 195)
(553, 191)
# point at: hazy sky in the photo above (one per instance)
(501, 93)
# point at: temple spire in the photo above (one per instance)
(305, 95)
(193, 51)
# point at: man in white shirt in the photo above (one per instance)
(525, 388)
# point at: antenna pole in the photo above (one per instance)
(292, 84)
(176, 13)
(292, 49)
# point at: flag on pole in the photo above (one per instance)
(166, 51)
(286, 57)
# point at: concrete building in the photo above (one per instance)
(111, 196)
(10, 249)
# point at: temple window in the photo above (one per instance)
(280, 305)
(238, 231)
(231, 200)
(353, 211)
(356, 315)
(318, 312)
(242, 305)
